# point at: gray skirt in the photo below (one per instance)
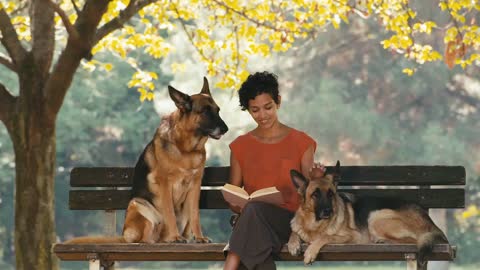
(259, 234)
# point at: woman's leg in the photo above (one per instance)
(261, 230)
(232, 262)
(268, 264)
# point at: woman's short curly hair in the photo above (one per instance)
(256, 84)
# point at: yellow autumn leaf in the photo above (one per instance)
(471, 211)
(150, 96)
(108, 66)
(408, 71)
(143, 94)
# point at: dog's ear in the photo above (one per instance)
(336, 173)
(205, 88)
(182, 101)
(298, 180)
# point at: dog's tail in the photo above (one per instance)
(427, 241)
(96, 240)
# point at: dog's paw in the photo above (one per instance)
(202, 240)
(310, 255)
(176, 239)
(294, 247)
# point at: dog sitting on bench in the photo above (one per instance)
(166, 188)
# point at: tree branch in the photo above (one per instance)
(43, 36)
(62, 74)
(7, 103)
(202, 55)
(66, 22)
(7, 63)
(133, 7)
(75, 7)
(10, 39)
(190, 36)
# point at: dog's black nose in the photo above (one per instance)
(223, 128)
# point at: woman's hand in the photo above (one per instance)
(317, 171)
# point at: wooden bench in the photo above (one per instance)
(108, 189)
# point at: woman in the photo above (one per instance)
(263, 158)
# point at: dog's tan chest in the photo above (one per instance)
(185, 180)
(180, 180)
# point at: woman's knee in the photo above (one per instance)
(254, 207)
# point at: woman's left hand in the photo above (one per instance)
(318, 170)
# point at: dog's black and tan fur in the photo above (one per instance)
(167, 179)
(326, 216)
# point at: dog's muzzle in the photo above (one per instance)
(217, 132)
(325, 214)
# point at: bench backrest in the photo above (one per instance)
(108, 188)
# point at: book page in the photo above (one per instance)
(234, 195)
(238, 196)
(236, 190)
(264, 191)
(269, 195)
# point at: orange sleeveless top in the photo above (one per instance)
(264, 165)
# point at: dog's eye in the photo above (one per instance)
(205, 110)
(330, 193)
(315, 194)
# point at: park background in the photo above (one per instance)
(342, 88)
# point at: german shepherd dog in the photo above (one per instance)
(167, 179)
(326, 216)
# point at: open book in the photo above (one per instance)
(238, 196)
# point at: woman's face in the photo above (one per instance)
(263, 109)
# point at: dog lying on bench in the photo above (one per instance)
(326, 216)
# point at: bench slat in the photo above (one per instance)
(214, 252)
(212, 199)
(351, 176)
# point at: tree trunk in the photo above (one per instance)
(33, 137)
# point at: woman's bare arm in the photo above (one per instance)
(235, 172)
(235, 178)
(307, 161)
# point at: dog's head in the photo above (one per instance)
(201, 111)
(317, 192)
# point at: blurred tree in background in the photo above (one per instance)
(45, 41)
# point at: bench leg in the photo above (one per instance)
(94, 264)
(411, 264)
(411, 261)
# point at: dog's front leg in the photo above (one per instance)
(165, 204)
(312, 250)
(192, 201)
(294, 244)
